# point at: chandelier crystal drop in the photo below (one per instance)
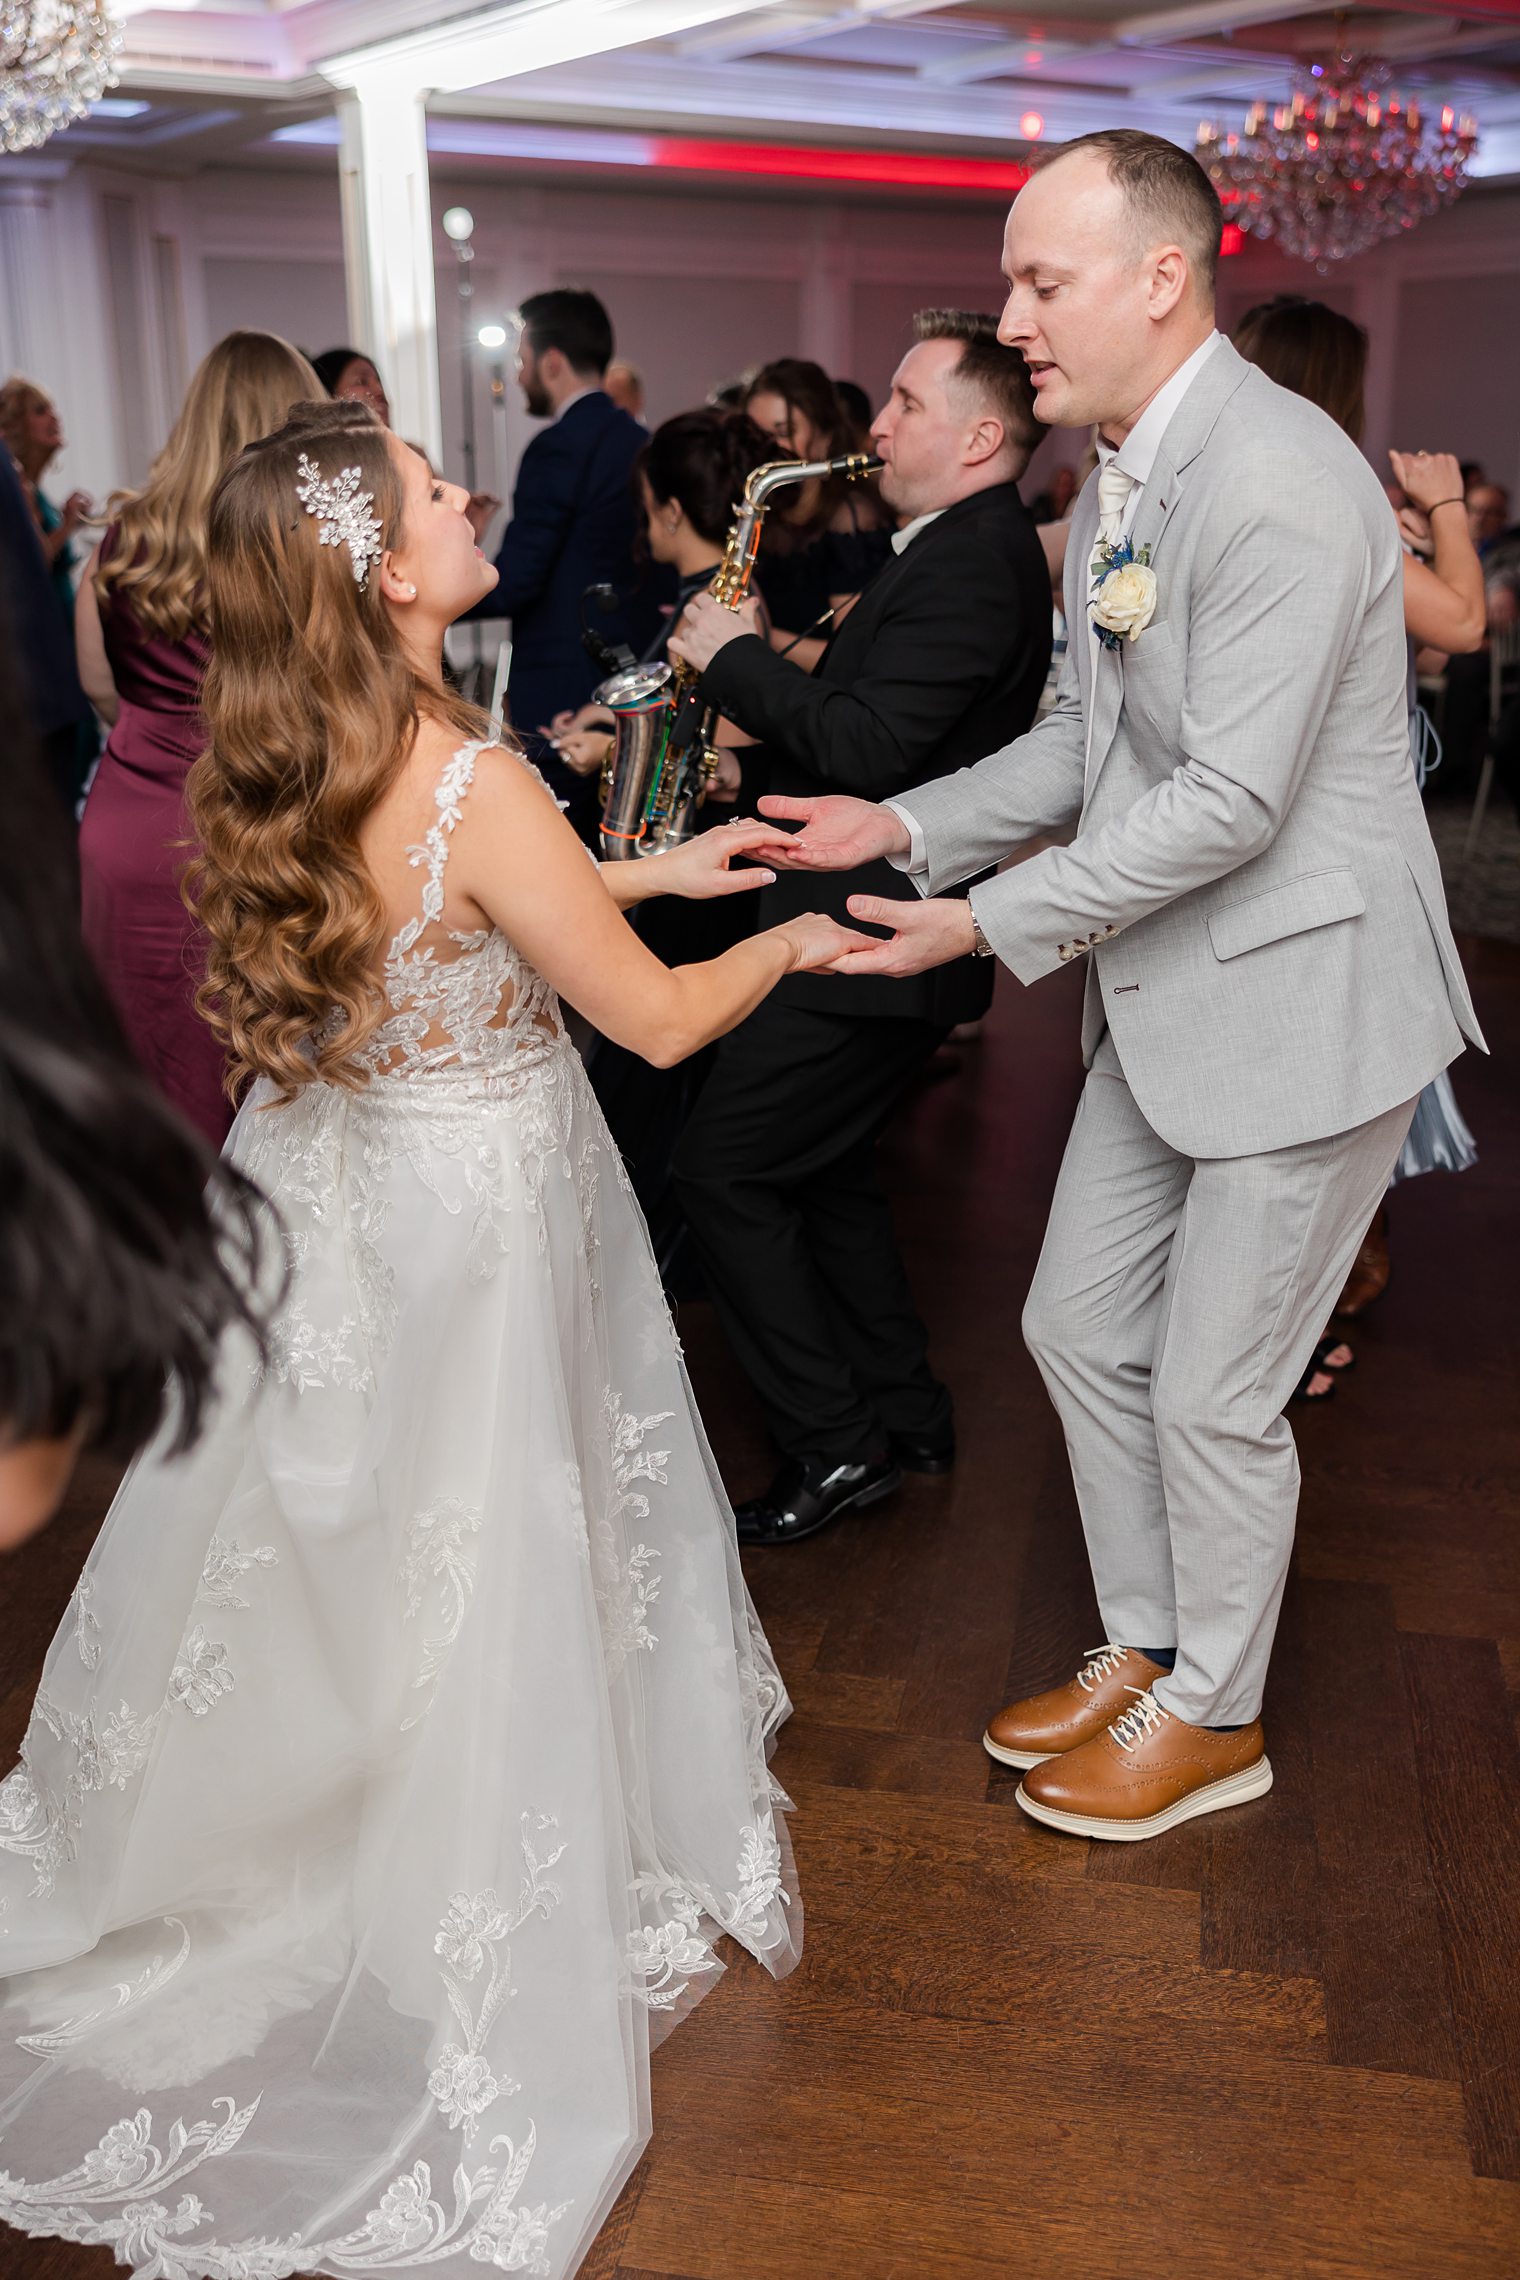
(57, 57)
(1346, 162)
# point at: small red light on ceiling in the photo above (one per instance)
(1031, 126)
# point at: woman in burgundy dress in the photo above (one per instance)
(143, 643)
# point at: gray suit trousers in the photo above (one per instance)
(1174, 1308)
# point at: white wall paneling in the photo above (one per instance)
(304, 301)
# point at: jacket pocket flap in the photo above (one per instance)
(1318, 898)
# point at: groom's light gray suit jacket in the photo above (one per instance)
(1253, 882)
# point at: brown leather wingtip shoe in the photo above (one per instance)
(1043, 1725)
(1146, 1773)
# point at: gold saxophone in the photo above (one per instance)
(663, 756)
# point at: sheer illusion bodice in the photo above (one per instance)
(402, 1755)
(464, 1002)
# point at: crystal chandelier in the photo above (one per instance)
(1346, 162)
(57, 57)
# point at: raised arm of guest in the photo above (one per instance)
(1443, 598)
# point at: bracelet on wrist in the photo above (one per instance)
(1445, 503)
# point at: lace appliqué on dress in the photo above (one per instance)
(118, 2195)
(625, 1587)
(225, 1563)
(437, 1552)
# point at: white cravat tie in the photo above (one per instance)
(1114, 488)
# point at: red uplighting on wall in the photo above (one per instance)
(1233, 239)
(912, 170)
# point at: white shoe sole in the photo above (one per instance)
(1235, 1789)
(1023, 1759)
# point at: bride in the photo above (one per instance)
(402, 1755)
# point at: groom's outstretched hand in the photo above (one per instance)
(924, 934)
(838, 834)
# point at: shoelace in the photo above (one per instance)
(1101, 1662)
(1145, 1716)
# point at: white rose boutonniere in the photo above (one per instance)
(1123, 593)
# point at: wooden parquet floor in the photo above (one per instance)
(1282, 2044)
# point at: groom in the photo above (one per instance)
(1270, 974)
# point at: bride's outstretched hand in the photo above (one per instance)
(703, 867)
(819, 943)
(837, 833)
(924, 934)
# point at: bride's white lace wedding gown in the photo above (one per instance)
(403, 1751)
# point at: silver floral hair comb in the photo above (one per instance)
(343, 511)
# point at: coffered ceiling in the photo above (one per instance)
(228, 81)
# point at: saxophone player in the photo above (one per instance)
(941, 662)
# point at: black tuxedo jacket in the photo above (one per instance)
(941, 661)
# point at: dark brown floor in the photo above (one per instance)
(1282, 2043)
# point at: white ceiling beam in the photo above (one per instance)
(1160, 28)
(842, 104)
(527, 35)
(991, 62)
(770, 30)
(766, 29)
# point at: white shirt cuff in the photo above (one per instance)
(916, 861)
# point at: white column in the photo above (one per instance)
(64, 340)
(388, 246)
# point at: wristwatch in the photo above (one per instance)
(980, 946)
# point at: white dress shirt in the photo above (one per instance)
(1137, 457)
(903, 539)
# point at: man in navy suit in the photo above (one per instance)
(573, 522)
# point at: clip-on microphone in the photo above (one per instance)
(612, 657)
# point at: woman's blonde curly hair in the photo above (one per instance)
(311, 707)
(245, 386)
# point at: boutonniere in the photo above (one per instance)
(1123, 594)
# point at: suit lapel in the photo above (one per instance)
(1185, 437)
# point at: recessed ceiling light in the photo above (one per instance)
(1031, 126)
(118, 107)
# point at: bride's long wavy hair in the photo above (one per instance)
(311, 707)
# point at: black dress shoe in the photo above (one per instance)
(922, 1455)
(808, 1493)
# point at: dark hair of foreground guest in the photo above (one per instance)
(702, 459)
(126, 1248)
